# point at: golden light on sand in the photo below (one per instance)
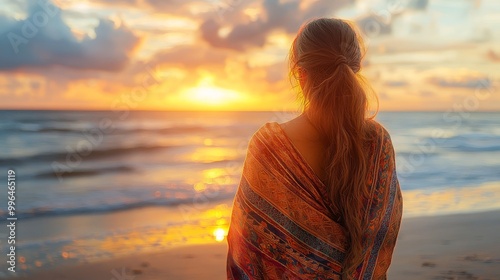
(219, 234)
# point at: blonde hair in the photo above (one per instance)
(328, 52)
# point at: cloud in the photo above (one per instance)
(277, 73)
(427, 93)
(493, 56)
(373, 25)
(119, 2)
(418, 4)
(462, 82)
(276, 15)
(170, 3)
(178, 7)
(396, 83)
(191, 56)
(43, 40)
(384, 96)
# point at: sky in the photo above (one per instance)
(430, 55)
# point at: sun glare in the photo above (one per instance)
(219, 234)
(212, 95)
(207, 94)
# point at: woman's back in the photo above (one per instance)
(282, 225)
(319, 196)
(306, 139)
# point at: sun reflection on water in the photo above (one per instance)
(207, 154)
(220, 234)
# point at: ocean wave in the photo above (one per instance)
(473, 142)
(71, 208)
(465, 142)
(94, 154)
(87, 172)
(36, 128)
(473, 148)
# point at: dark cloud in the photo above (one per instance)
(43, 39)
(277, 15)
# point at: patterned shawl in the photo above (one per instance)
(282, 225)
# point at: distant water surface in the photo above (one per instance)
(73, 164)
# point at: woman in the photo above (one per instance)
(319, 197)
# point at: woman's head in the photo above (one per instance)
(326, 59)
(322, 48)
(325, 43)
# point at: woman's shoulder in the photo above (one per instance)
(265, 133)
(267, 129)
(378, 137)
(377, 130)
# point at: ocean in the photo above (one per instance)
(97, 184)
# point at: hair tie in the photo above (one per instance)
(339, 60)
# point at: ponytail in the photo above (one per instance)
(336, 104)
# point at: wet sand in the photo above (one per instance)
(454, 247)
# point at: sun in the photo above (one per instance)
(219, 234)
(213, 95)
(207, 94)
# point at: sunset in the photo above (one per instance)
(260, 139)
(89, 54)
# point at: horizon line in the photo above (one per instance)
(222, 111)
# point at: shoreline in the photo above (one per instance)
(455, 246)
(53, 242)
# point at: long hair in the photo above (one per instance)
(326, 59)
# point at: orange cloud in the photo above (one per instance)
(226, 55)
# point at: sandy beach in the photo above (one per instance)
(454, 247)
